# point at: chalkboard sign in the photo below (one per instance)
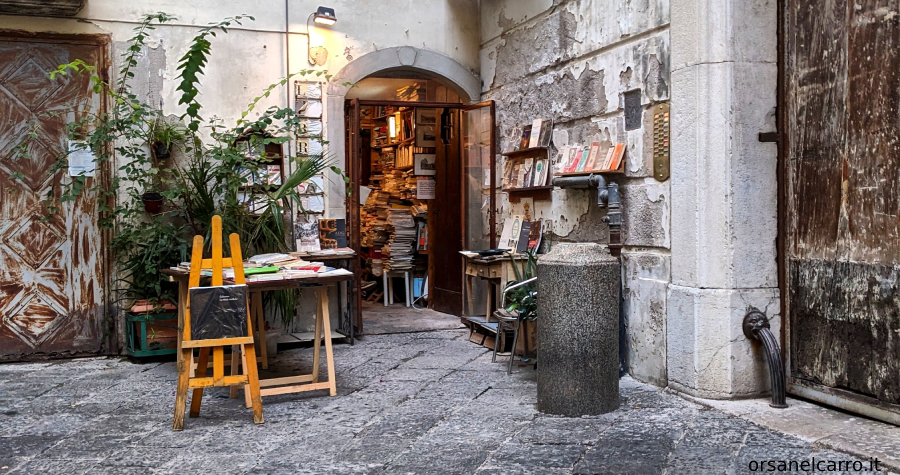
(218, 312)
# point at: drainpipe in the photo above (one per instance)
(756, 327)
(607, 197)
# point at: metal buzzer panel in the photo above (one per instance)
(661, 122)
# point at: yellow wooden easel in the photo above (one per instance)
(200, 380)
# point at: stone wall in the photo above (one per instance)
(572, 61)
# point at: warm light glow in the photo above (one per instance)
(325, 21)
(392, 127)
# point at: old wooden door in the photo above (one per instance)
(840, 204)
(52, 271)
(445, 222)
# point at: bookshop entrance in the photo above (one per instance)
(420, 192)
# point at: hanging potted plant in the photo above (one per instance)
(164, 136)
(153, 202)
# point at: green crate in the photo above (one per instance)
(160, 328)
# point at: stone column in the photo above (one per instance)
(578, 330)
(724, 193)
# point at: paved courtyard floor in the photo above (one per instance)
(423, 402)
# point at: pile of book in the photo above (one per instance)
(399, 248)
(413, 92)
(373, 219)
(400, 184)
(272, 259)
(380, 136)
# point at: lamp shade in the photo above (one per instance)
(325, 16)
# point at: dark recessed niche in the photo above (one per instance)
(633, 109)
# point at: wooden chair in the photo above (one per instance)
(200, 380)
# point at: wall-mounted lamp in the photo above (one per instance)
(325, 16)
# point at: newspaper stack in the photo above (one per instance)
(399, 248)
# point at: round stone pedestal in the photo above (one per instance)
(578, 330)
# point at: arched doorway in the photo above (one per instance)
(406, 107)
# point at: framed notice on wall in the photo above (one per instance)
(425, 136)
(425, 163)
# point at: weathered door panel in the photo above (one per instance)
(52, 271)
(841, 207)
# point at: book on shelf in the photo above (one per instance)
(559, 162)
(546, 133)
(574, 158)
(535, 234)
(535, 137)
(528, 167)
(585, 153)
(540, 172)
(608, 159)
(509, 235)
(526, 137)
(519, 173)
(617, 157)
(593, 157)
(524, 233)
(507, 174)
(515, 139)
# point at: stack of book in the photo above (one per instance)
(273, 259)
(413, 92)
(399, 248)
(400, 184)
(380, 136)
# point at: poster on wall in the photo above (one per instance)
(425, 189)
(426, 117)
(425, 163)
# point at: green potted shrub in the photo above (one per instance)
(164, 136)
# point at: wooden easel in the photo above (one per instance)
(200, 380)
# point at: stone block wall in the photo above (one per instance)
(572, 61)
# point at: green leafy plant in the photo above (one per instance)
(523, 299)
(207, 183)
(165, 135)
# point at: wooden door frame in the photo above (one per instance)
(103, 42)
(352, 159)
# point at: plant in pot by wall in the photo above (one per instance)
(153, 202)
(164, 136)
(145, 237)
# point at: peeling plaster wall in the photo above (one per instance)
(572, 61)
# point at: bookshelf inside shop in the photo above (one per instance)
(393, 215)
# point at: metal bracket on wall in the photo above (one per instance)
(661, 147)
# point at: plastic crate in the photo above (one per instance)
(151, 334)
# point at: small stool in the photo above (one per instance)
(386, 277)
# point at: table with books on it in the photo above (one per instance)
(279, 271)
(498, 267)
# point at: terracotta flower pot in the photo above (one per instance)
(152, 202)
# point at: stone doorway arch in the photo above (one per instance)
(442, 68)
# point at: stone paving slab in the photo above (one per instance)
(412, 403)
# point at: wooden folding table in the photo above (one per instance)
(290, 384)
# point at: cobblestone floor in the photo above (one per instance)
(428, 402)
